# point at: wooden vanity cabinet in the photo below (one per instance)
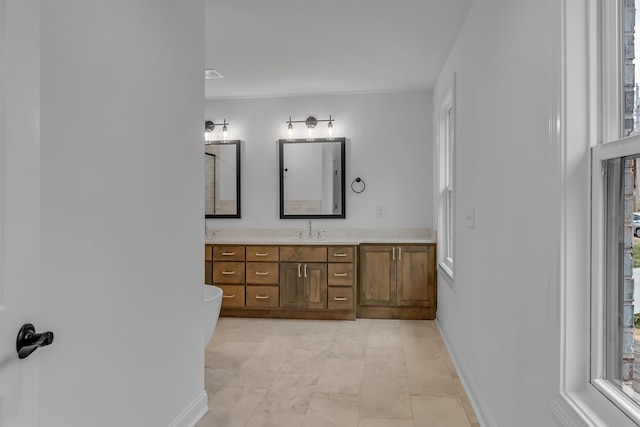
(289, 281)
(303, 277)
(341, 277)
(208, 264)
(397, 281)
(229, 274)
(262, 275)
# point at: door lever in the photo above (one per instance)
(28, 341)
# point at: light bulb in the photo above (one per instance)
(310, 132)
(330, 129)
(225, 133)
(290, 130)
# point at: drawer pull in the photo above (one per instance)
(228, 273)
(262, 296)
(229, 296)
(340, 298)
(341, 274)
(262, 254)
(228, 253)
(340, 254)
(262, 273)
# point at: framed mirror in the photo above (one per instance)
(312, 178)
(222, 179)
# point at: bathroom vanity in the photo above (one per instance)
(324, 279)
(282, 281)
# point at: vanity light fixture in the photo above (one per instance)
(310, 124)
(209, 126)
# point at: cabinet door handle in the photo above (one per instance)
(393, 256)
(340, 298)
(399, 252)
(262, 296)
(229, 296)
(340, 274)
(340, 254)
(299, 270)
(228, 253)
(305, 270)
(262, 254)
(228, 273)
(262, 273)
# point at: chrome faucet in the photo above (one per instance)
(310, 231)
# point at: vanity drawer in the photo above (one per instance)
(303, 253)
(262, 273)
(228, 253)
(262, 296)
(341, 298)
(340, 253)
(340, 274)
(232, 295)
(262, 253)
(228, 272)
(208, 252)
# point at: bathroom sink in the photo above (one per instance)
(307, 239)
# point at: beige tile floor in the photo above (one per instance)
(315, 373)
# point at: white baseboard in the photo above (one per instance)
(192, 413)
(475, 398)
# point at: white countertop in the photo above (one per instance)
(331, 237)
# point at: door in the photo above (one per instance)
(416, 278)
(291, 291)
(378, 275)
(315, 285)
(19, 207)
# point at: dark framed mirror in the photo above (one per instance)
(312, 178)
(222, 179)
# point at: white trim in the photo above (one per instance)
(2, 142)
(612, 72)
(599, 275)
(574, 131)
(480, 407)
(446, 194)
(190, 416)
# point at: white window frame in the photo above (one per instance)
(599, 309)
(446, 181)
(586, 128)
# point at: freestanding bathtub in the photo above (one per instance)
(212, 304)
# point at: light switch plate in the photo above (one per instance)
(470, 218)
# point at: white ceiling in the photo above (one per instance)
(304, 47)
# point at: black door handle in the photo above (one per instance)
(28, 341)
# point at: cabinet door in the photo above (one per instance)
(416, 278)
(315, 285)
(291, 290)
(377, 275)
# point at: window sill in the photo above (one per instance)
(588, 408)
(446, 267)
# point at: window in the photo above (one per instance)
(615, 370)
(446, 205)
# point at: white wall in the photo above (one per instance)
(389, 145)
(121, 211)
(497, 314)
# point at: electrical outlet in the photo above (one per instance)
(379, 212)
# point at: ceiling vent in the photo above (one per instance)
(212, 74)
